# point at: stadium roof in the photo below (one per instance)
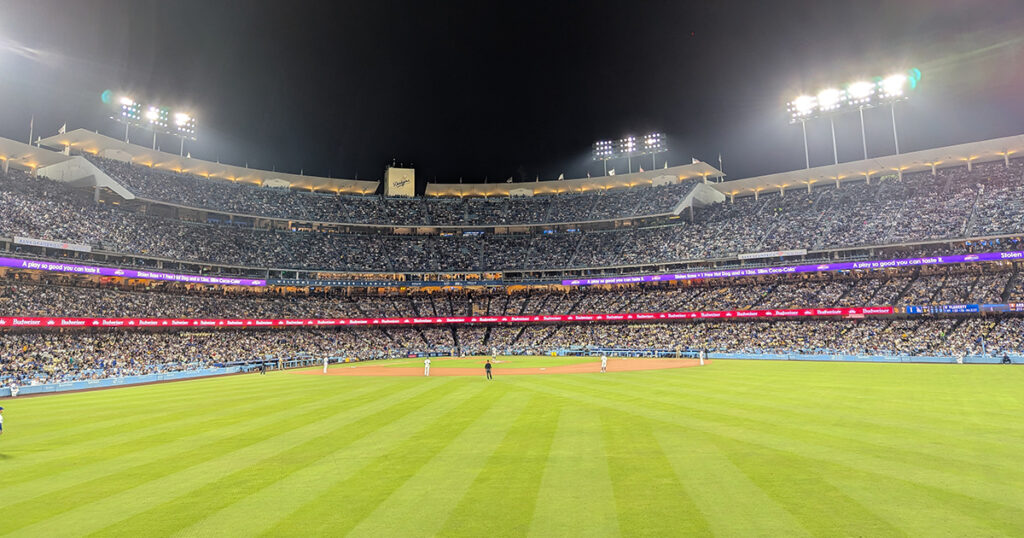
(25, 156)
(558, 186)
(94, 143)
(950, 156)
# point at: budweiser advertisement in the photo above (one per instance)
(66, 322)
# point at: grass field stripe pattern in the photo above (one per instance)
(303, 468)
(413, 446)
(127, 492)
(734, 448)
(995, 490)
(526, 444)
(697, 462)
(331, 461)
(134, 447)
(129, 456)
(576, 474)
(649, 499)
(888, 438)
(428, 497)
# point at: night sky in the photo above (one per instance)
(510, 89)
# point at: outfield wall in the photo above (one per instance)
(815, 357)
(118, 381)
(969, 359)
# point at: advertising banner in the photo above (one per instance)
(67, 322)
(61, 267)
(793, 269)
(18, 240)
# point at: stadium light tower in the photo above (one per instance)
(155, 118)
(629, 146)
(859, 95)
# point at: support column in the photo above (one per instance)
(839, 182)
(895, 135)
(899, 173)
(96, 194)
(807, 154)
(835, 150)
(782, 191)
(732, 198)
(691, 213)
(756, 194)
(808, 187)
(867, 178)
(1006, 159)
(933, 169)
(969, 169)
(863, 135)
(7, 165)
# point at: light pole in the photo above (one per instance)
(895, 135)
(835, 150)
(856, 96)
(625, 147)
(156, 118)
(807, 153)
(863, 135)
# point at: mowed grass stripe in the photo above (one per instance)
(54, 458)
(107, 406)
(942, 394)
(272, 473)
(125, 458)
(992, 490)
(265, 507)
(649, 499)
(838, 436)
(797, 483)
(730, 501)
(388, 469)
(922, 511)
(427, 498)
(935, 452)
(504, 494)
(576, 497)
(91, 506)
(860, 402)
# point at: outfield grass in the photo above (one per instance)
(733, 448)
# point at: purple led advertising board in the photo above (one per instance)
(41, 265)
(842, 266)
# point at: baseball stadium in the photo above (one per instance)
(649, 347)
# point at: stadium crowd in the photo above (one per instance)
(27, 295)
(50, 357)
(955, 205)
(951, 205)
(249, 199)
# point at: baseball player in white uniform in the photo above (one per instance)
(604, 363)
(325, 365)
(426, 367)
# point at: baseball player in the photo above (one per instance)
(325, 364)
(604, 363)
(1, 420)
(426, 367)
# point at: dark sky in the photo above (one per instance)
(477, 89)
